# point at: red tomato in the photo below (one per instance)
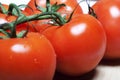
(108, 13)
(29, 58)
(41, 25)
(79, 44)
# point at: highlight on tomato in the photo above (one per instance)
(108, 13)
(79, 44)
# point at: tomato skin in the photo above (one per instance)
(30, 58)
(109, 16)
(79, 45)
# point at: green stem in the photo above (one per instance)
(48, 5)
(4, 32)
(46, 15)
(53, 15)
(13, 31)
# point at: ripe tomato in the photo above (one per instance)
(41, 25)
(79, 44)
(29, 58)
(108, 13)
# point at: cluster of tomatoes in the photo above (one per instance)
(74, 47)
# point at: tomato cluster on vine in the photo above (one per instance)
(49, 36)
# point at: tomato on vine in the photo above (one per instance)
(24, 55)
(79, 43)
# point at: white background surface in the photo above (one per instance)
(15, 1)
(103, 72)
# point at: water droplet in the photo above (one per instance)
(35, 60)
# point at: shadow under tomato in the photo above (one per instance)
(88, 76)
(110, 62)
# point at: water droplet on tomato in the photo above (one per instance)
(35, 60)
(11, 57)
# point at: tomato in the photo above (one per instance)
(41, 25)
(29, 58)
(79, 44)
(108, 13)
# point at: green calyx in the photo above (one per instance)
(91, 12)
(50, 12)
